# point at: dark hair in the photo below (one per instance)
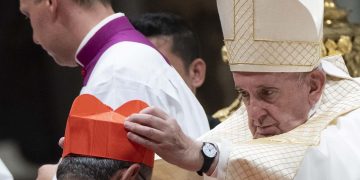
(185, 42)
(75, 167)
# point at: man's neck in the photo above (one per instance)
(80, 20)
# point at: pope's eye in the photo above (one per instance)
(267, 92)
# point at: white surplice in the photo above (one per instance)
(4, 172)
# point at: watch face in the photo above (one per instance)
(209, 150)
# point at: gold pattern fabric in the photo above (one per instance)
(248, 54)
(278, 157)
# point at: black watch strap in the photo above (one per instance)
(207, 159)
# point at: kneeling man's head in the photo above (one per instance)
(74, 167)
(96, 145)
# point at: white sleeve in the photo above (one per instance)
(224, 147)
(129, 71)
(4, 172)
(338, 155)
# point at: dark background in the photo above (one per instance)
(36, 94)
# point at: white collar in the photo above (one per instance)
(92, 32)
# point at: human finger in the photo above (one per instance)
(145, 131)
(147, 120)
(141, 141)
(157, 112)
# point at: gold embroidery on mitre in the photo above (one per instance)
(279, 157)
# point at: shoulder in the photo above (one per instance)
(132, 60)
(135, 51)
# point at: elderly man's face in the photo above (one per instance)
(276, 102)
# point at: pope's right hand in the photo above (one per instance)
(156, 130)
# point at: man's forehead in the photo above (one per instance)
(264, 74)
(260, 79)
(256, 75)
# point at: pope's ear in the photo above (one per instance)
(317, 83)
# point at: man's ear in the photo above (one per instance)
(53, 8)
(127, 174)
(197, 72)
(317, 83)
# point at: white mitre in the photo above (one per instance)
(272, 35)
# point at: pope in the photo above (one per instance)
(300, 117)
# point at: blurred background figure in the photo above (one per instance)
(179, 44)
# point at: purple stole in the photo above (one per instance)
(117, 30)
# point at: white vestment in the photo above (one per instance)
(337, 156)
(4, 172)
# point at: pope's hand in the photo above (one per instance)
(156, 130)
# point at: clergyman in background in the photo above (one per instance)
(173, 37)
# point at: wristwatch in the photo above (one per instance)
(209, 152)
